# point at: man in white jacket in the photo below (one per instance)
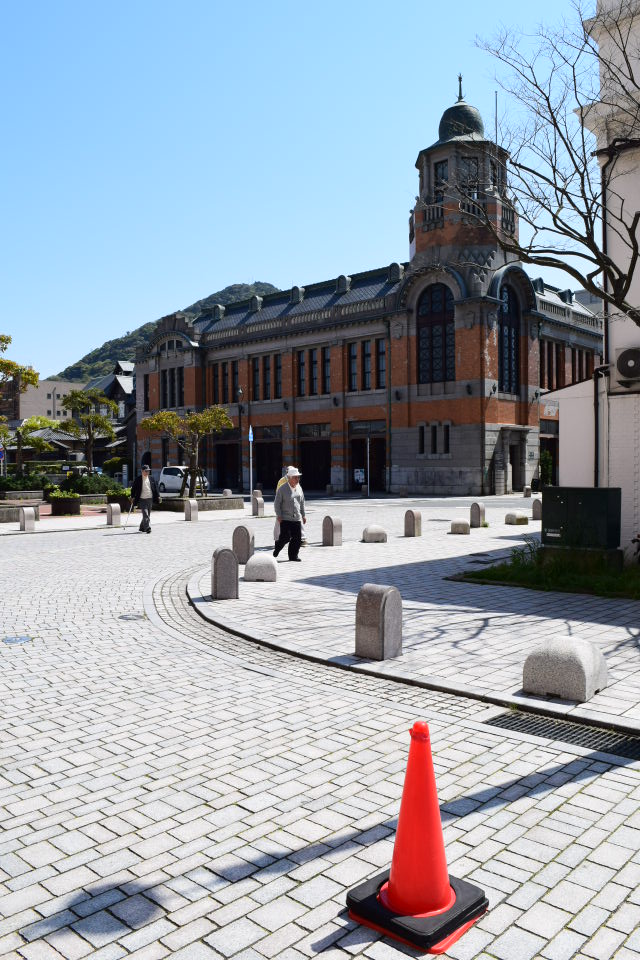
(290, 514)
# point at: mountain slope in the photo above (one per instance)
(100, 361)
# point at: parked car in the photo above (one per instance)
(170, 480)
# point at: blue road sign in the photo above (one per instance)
(250, 434)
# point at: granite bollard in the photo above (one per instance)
(243, 543)
(413, 523)
(374, 534)
(476, 515)
(256, 497)
(261, 568)
(526, 492)
(27, 519)
(224, 574)
(191, 510)
(113, 514)
(227, 493)
(516, 518)
(567, 667)
(332, 532)
(460, 526)
(536, 509)
(378, 622)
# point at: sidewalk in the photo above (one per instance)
(459, 637)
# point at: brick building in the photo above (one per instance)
(430, 371)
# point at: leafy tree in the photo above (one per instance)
(89, 423)
(24, 437)
(574, 109)
(188, 432)
(10, 370)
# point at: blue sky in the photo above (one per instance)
(156, 152)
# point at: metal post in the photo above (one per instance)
(368, 463)
(250, 460)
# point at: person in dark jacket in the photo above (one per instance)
(144, 493)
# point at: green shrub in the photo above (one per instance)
(92, 483)
(113, 465)
(57, 494)
(29, 481)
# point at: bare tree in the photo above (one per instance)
(573, 110)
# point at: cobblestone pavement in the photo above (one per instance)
(169, 790)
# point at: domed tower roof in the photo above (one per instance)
(460, 122)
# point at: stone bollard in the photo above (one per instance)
(536, 509)
(526, 492)
(567, 667)
(460, 526)
(224, 574)
(261, 568)
(255, 497)
(413, 523)
(331, 532)
(27, 519)
(329, 490)
(374, 534)
(226, 492)
(378, 622)
(243, 544)
(476, 515)
(364, 490)
(517, 518)
(113, 514)
(191, 510)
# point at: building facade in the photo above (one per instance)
(425, 376)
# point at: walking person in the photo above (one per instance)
(144, 493)
(276, 526)
(290, 514)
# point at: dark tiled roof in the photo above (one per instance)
(318, 296)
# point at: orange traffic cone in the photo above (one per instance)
(416, 901)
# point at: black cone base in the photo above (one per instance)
(421, 932)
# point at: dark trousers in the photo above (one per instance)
(291, 533)
(145, 507)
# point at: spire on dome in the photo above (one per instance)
(460, 97)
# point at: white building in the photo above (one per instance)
(600, 419)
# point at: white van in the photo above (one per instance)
(170, 480)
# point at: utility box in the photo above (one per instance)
(584, 517)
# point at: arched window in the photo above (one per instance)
(436, 335)
(509, 342)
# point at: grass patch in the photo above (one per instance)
(574, 572)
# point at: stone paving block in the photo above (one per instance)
(234, 937)
(517, 943)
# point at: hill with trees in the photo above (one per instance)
(100, 362)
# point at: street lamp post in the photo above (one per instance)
(241, 478)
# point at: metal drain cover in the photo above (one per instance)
(23, 639)
(592, 738)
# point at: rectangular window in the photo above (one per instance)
(165, 451)
(445, 438)
(145, 400)
(353, 366)
(277, 376)
(421, 440)
(366, 364)
(381, 364)
(225, 382)
(235, 378)
(559, 366)
(180, 387)
(580, 364)
(440, 178)
(216, 383)
(588, 356)
(326, 370)
(164, 393)
(434, 438)
(255, 378)
(543, 365)
(313, 372)
(550, 372)
(266, 378)
(302, 374)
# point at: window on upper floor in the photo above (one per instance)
(216, 383)
(440, 179)
(255, 378)
(225, 382)
(235, 378)
(436, 335)
(352, 366)
(266, 378)
(326, 370)
(277, 376)
(509, 342)
(302, 374)
(313, 372)
(381, 363)
(366, 364)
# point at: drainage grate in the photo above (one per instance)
(592, 738)
(22, 639)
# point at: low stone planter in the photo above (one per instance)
(21, 494)
(11, 514)
(93, 498)
(176, 504)
(63, 507)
